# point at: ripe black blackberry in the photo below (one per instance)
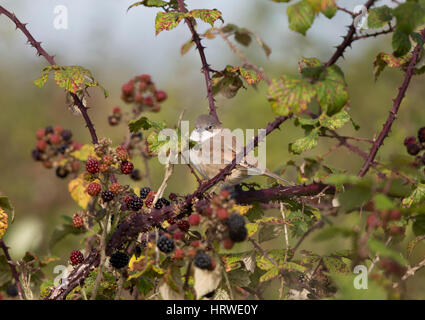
(202, 260)
(236, 227)
(135, 203)
(421, 134)
(165, 244)
(66, 135)
(162, 202)
(49, 129)
(36, 154)
(62, 149)
(413, 149)
(107, 196)
(12, 290)
(144, 192)
(119, 260)
(62, 172)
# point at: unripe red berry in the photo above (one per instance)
(178, 235)
(179, 254)
(127, 167)
(116, 110)
(115, 187)
(41, 145)
(384, 214)
(142, 86)
(58, 129)
(395, 214)
(47, 164)
(138, 97)
(55, 139)
(225, 193)
(413, 149)
(128, 88)
(409, 140)
(372, 221)
(212, 265)
(77, 221)
(160, 95)
(76, 257)
(145, 78)
(92, 165)
(93, 189)
(103, 168)
(227, 244)
(222, 213)
(40, 133)
(108, 160)
(156, 108)
(122, 154)
(397, 230)
(196, 243)
(183, 225)
(76, 145)
(148, 101)
(194, 219)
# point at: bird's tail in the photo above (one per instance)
(270, 174)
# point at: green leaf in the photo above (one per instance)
(419, 225)
(347, 291)
(84, 153)
(270, 274)
(336, 264)
(186, 47)
(250, 76)
(334, 231)
(145, 124)
(354, 197)
(167, 20)
(417, 196)
(300, 16)
(268, 232)
(306, 143)
(239, 278)
(327, 7)
(381, 249)
(206, 15)
(382, 202)
(401, 43)
(379, 17)
(61, 232)
(243, 36)
(409, 16)
(332, 92)
(387, 60)
(336, 121)
(290, 95)
(148, 3)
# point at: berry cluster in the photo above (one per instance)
(165, 244)
(54, 149)
(76, 257)
(385, 219)
(77, 221)
(415, 145)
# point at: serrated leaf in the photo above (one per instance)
(78, 190)
(252, 229)
(335, 121)
(387, 60)
(250, 76)
(379, 17)
(306, 143)
(206, 15)
(268, 232)
(167, 20)
(417, 196)
(332, 92)
(409, 15)
(145, 124)
(300, 16)
(327, 7)
(336, 264)
(401, 43)
(148, 3)
(270, 274)
(290, 95)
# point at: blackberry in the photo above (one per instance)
(94, 188)
(61, 172)
(162, 202)
(135, 175)
(12, 290)
(421, 134)
(202, 260)
(127, 167)
(144, 192)
(36, 154)
(119, 260)
(76, 257)
(48, 129)
(135, 203)
(183, 225)
(62, 149)
(77, 221)
(413, 149)
(409, 140)
(165, 244)
(236, 227)
(107, 196)
(66, 135)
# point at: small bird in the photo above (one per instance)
(207, 132)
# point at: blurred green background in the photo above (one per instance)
(116, 46)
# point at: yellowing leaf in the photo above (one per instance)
(84, 153)
(78, 190)
(167, 20)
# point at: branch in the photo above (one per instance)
(281, 193)
(375, 34)
(393, 113)
(15, 273)
(205, 66)
(41, 52)
(348, 39)
(75, 277)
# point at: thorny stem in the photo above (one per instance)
(205, 66)
(41, 52)
(15, 273)
(393, 113)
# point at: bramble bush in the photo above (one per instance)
(140, 244)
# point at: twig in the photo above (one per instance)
(205, 65)
(51, 60)
(393, 113)
(375, 34)
(15, 273)
(410, 272)
(376, 259)
(285, 230)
